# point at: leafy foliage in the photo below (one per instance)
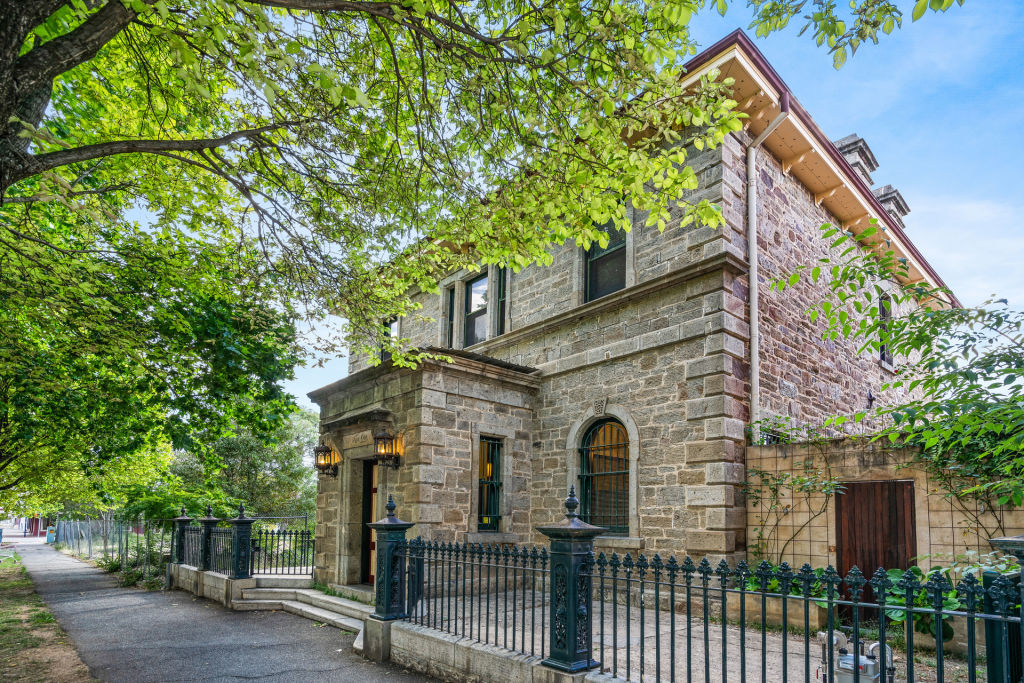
(269, 477)
(960, 367)
(117, 347)
(301, 158)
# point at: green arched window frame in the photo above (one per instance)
(604, 476)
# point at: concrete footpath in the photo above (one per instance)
(137, 636)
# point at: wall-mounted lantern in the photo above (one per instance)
(324, 459)
(385, 449)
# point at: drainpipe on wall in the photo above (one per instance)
(755, 333)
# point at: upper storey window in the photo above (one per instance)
(392, 327)
(501, 296)
(605, 269)
(884, 318)
(476, 311)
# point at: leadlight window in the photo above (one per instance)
(884, 316)
(476, 311)
(604, 476)
(489, 517)
(502, 297)
(606, 268)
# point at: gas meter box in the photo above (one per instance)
(868, 668)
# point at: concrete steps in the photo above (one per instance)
(342, 613)
(283, 581)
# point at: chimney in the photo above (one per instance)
(893, 202)
(859, 155)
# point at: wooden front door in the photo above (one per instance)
(369, 549)
(875, 527)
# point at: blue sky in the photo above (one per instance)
(941, 103)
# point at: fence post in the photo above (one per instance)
(570, 633)
(206, 539)
(390, 574)
(241, 536)
(181, 523)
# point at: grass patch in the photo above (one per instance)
(32, 646)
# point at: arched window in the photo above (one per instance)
(604, 476)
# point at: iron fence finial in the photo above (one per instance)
(571, 503)
(390, 507)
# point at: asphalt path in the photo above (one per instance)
(138, 636)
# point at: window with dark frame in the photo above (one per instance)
(392, 326)
(884, 316)
(489, 517)
(501, 295)
(605, 268)
(450, 294)
(475, 330)
(604, 476)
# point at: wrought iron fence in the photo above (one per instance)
(281, 551)
(492, 594)
(694, 621)
(640, 618)
(137, 548)
(193, 546)
(220, 549)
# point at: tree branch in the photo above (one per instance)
(40, 163)
(40, 66)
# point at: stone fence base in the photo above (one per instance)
(212, 585)
(457, 658)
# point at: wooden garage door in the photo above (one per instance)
(875, 526)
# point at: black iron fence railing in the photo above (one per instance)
(492, 594)
(193, 545)
(643, 618)
(220, 550)
(658, 620)
(282, 551)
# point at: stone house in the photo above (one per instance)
(630, 372)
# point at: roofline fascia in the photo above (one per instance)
(739, 39)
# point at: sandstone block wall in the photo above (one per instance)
(943, 528)
(438, 412)
(803, 376)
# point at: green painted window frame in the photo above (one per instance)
(490, 484)
(501, 299)
(604, 479)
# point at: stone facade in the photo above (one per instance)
(437, 412)
(668, 356)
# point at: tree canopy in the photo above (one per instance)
(182, 182)
(332, 136)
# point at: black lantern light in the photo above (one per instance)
(385, 449)
(324, 460)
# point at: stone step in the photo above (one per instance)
(348, 608)
(253, 605)
(283, 581)
(306, 610)
(359, 593)
(270, 593)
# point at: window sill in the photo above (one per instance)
(888, 367)
(490, 537)
(622, 542)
